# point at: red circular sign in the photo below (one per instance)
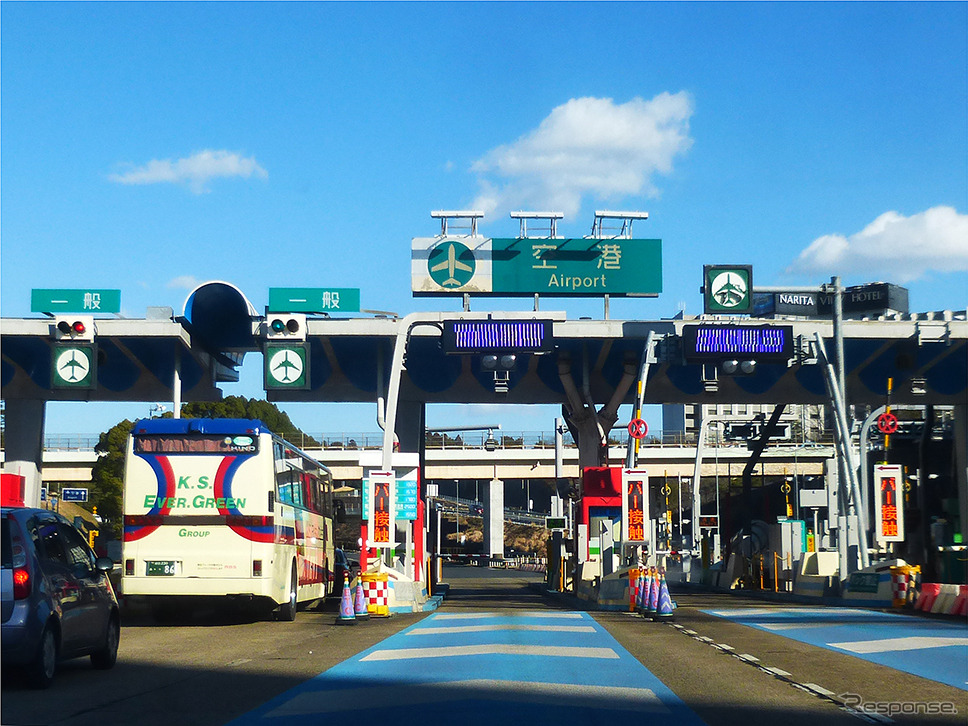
(887, 423)
(638, 428)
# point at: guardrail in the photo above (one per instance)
(358, 441)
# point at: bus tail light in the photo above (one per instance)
(129, 568)
(238, 520)
(256, 568)
(21, 583)
(143, 520)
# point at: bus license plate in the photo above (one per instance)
(161, 568)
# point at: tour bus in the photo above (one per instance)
(224, 508)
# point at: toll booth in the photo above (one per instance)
(600, 523)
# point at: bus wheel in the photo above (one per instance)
(288, 610)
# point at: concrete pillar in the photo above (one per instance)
(410, 433)
(24, 444)
(494, 519)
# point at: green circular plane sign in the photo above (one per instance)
(451, 264)
(728, 289)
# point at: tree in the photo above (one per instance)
(107, 475)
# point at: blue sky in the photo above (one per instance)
(151, 147)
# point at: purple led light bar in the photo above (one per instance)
(705, 342)
(466, 336)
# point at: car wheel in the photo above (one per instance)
(288, 610)
(41, 671)
(107, 656)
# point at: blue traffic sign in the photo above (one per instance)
(74, 494)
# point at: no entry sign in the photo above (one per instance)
(638, 428)
(887, 423)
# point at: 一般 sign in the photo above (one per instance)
(75, 301)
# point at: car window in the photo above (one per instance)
(50, 542)
(7, 550)
(79, 557)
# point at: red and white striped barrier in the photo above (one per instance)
(943, 599)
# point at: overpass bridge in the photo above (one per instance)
(475, 463)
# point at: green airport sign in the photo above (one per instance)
(73, 366)
(287, 366)
(728, 289)
(578, 267)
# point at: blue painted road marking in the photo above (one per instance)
(931, 649)
(474, 668)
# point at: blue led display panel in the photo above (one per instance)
(717, 342)
(497, 336)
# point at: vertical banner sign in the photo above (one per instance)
(635, 504)
(888, 487)
(381, 507)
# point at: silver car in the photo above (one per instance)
(58, 602)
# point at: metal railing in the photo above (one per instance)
(357, 441)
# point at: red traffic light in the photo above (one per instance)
(75, 328)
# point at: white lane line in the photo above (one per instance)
(819, 690)
(547, 651)
(801, 626)
(776, 671)
(618, 698)
(508, 614)
(911, 643)
(747, 657)
(444, 630)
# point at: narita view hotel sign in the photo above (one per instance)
(877, 298)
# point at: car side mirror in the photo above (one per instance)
(104, 564)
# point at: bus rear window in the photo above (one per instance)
(195, 444)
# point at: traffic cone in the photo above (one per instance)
(346, 614)
(654, 593)
(644, 591)
(664, 611)
(359, 604)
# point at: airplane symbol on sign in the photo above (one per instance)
(451, 264)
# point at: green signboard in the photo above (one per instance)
(863, 582)
(582, 267)
(75, 301)
(314, 300)
(73, 366)
(728, 289)
(287, 366)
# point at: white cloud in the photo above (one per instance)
(184, 282)
(902, 248)
(586, 147)
(195, 171)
